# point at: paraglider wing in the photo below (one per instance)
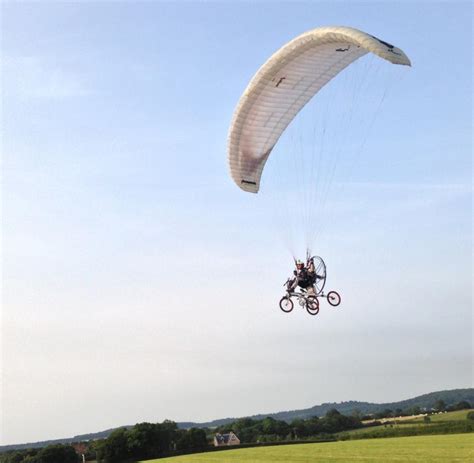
(282, 87)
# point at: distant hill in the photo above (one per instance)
(66, 440)
(423, 401)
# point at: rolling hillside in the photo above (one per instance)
(346, 408)
(424, 401)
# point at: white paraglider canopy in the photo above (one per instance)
(284, 85)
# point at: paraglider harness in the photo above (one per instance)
(306, 277)
(311, 279)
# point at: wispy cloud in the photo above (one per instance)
(34, 78)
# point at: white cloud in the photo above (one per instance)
(32, 77)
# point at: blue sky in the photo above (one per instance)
(139, 283)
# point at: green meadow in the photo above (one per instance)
(418, 449)
(442, 417)
(444, 423)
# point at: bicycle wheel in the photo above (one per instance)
(312, 305)
(286, 304)
(333, 298)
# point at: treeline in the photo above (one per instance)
(271, 430)
(58, 453)
(423, 402)
(416, 405)
(147, 440)
(140, 442)
(438, 406)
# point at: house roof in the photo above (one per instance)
(224, 438)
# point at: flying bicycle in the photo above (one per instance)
(308, 297)
(327, 66)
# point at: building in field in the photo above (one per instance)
(221, 440)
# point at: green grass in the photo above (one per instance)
(415, 429)
(456, 420)
(383, 428)
(454, 448)
(450, 416)
(369, 430)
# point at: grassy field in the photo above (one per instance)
(455, 448)
(451, 418)
(448, 416)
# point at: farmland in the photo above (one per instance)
(443, 423)
(457, 448)
(443, 417)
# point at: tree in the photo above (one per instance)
(57, 453)
(12, 457)
(270, 426)
(298, 428)
(114, 448)
(332, 413)
(440, 405)
(193, 439)
(315, 425)
(246, 429)
(463, 405)
(387, 413)
(143, 439)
